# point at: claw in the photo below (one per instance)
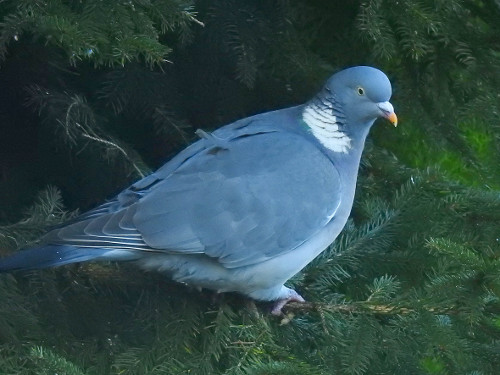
(279, 304)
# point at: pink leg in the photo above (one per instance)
(279, 304)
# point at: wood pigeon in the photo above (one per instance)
(244, 208)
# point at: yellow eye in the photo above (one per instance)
(361, 91)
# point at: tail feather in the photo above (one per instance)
(58, 255)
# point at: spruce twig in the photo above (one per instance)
(366, 308)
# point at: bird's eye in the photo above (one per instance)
(361, 91)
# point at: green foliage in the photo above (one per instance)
(51, 363)
(433, 365)
(47, 210)
(105, 33)
(88, 104)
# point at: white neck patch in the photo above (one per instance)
(324, 126)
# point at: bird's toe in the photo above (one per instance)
(279, 304)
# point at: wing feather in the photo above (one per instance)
(251, 201)
(243, 201)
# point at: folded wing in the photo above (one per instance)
(241, 201)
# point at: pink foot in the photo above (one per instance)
(279, 304)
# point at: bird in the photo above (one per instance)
(245, 207)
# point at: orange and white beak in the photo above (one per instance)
(388, 112)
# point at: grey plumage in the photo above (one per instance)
(244, 208)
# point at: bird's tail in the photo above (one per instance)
(58, 255)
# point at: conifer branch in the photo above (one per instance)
(117, 147)
(366, 308)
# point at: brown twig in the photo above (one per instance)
(363, 308)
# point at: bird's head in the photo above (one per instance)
(364, 94)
